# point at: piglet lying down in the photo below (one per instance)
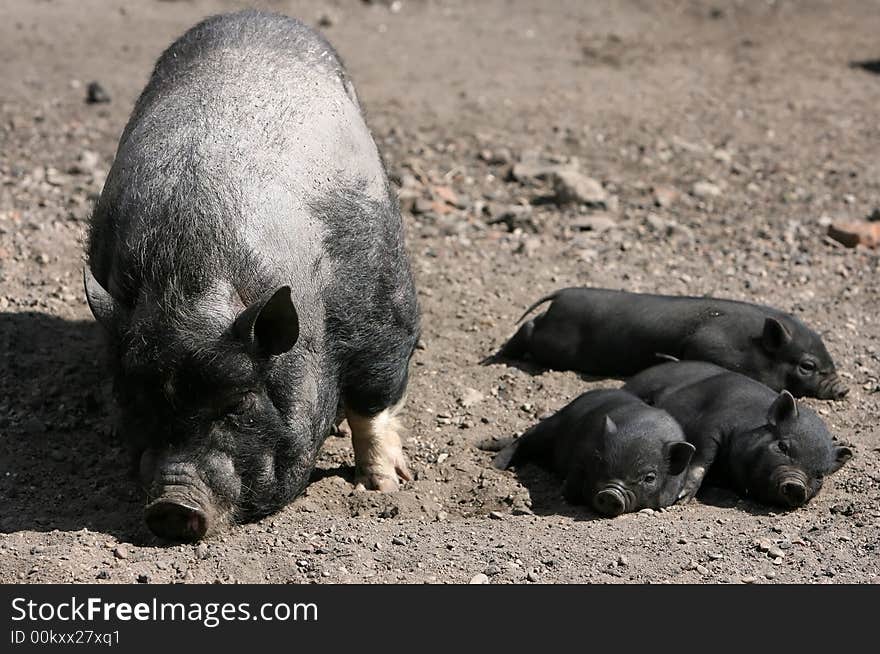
(617, 334)
(615, 453)
(760, 443)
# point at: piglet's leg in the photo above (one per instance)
(703, 457)
(378, 453)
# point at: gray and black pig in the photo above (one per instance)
(615, 453)
(246, 259)
(616, 333)
(748, 437)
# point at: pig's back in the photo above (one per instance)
(247, 122)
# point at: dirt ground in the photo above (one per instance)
(726, 135)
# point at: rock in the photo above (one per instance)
(143, 578)
(470, 397)
(646, 512)
(86, 163)
(622, 561)
(103, 574)
(703, 570)
(397, 540)
(764, 544)
(479, 578)
(855, 233)
(706, 190)
(531, 168)
(529, 246)
(95, 94)
(532, 576)
(515, 217)
(597, 222)
(770, 575)
(846, 509)
(665, 196)
(775, 552)
(326, 19)
(750, 580)
(446, 194)
(120, 552)
(715, 556)
(571, 186)
(496, 515)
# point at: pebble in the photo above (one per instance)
(665, 196)
(775, 552)
(749, 580)
(470, 397)
(716, 556)
(496, 515)
(120, 552)
(703, 570)
(397, 540)
(95, 94)
(143, 578)
(532, 576)
(853, 233)
(571, 186)
(622, 560)
(706, 190)
(770, 575)
(103, 574)
(646, 512)
(479, 578)
(765, 544)
(597, 222)
(202, 551)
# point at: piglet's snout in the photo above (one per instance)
(792, 486)
(610, 501)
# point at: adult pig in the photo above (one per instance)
(246, 259)
(615, 453)
(747, 437)
(616, 333)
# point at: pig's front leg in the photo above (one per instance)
(707, 448)
(378, 453)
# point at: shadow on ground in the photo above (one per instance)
(60, 466)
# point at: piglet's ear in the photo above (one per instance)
(775, 335)
(679, 456)
(841, 455)
(783, 409)
(609, 427)
(270, 325)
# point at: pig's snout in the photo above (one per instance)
(832, 388)
(792, 488)
(610, 501)
(176, 520)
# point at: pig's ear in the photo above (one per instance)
(775, 336)
(842, 454)
(783, 409)
(609, 427)
(102, 304)
(270, 325)
(679, 456)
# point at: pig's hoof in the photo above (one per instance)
(378, 454)
(385, 478)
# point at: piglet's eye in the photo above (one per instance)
(782, 446)
(239, 404)
(808, 365)
(650, 478)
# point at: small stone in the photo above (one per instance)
(775, 552)
(470, 397)
(143, 578)
(703, 570)
(571, 186)
(86, 163)
(397, 540)
(532, 576)
(479, 578)
(846, 509)
(692, 565)
(326, 19)
(95, 94)
(496, 515)
(665, 196)
(765, 544)
(103, 574)
(706, 190)
(622, 561)
(442, 457)
(777, 561)
(120, 552)
(647, 512)
(854, 233)
(715, 556)
(749, 580)
(202, 551)
(770, 575)
(597, 222)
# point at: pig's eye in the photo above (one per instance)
(782, 446)
(239, 404)
(808, 366)
(650, 478)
